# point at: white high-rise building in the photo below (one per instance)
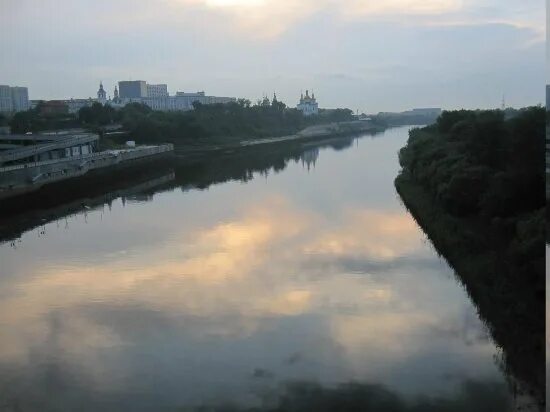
(14, 99)
(20, 99)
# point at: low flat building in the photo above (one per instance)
(30, 161)
(180, 102)
(74, 105)
(32, 148)
(53, 107)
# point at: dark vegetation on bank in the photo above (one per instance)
(215, 122)
(38, 120)
(221, 122)
(472, 396)
(474, 181)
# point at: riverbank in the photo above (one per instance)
(509, 296)
(321, 130)
(207, 168)
(312, 134)
(30, 176)
(474, 182)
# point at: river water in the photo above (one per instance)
(315, 273)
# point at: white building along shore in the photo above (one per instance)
(156, 96)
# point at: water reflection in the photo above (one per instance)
(225, 295)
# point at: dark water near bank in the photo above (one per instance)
(313, 273)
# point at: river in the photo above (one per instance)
(312, 271)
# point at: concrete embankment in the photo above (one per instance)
(317, 131)
(19, 179)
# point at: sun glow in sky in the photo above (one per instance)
(234, 3)
(365, 55)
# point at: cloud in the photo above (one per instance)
(271, 18)
(245, 47)
(361, 8)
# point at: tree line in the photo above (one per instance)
(480, 162)
(239, 119)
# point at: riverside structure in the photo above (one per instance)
(28, 162)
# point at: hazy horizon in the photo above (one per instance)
(386, 56)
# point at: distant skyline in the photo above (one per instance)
(390, 55)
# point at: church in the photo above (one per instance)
(308, 105)
(101, 94)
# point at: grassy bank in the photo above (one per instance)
(471, 183)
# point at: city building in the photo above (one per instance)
(19, 99)
(157, 90)
(265, 101)
(155, 96)
(74, 105)
(308, 104)
(53, 107)
(193, 94)
(14, 99)
(132, 89)
(180, 102)
(101, 94)
(5, 99)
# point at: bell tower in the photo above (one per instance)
(101, 94)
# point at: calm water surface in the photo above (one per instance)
(316, 273)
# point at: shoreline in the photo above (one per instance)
(507, 302)
(194, 169)
(310, 134)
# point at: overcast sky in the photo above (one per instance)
(370, 55)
